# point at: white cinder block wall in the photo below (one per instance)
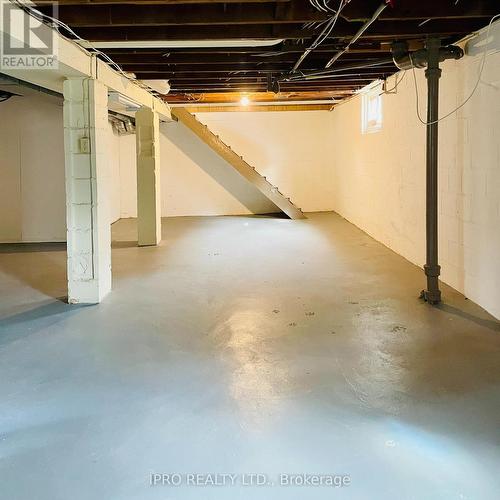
(32, 186)
(32, 192)
(379, 178)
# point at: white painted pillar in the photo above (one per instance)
(87, 190)
(147, 126)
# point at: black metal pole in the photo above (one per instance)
(432, 269)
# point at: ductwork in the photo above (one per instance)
(404, 59)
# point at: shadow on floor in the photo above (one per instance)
(484, 322)
(32, 247)
(41, 266)
(40, 315)
(124, 244)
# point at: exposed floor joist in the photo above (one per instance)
(293, 24)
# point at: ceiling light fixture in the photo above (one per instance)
(179, 44)
(245, 101)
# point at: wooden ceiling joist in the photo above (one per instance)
(92, 15)
(294, 25)
(380, 31)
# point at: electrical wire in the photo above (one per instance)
(331, 25)
(387, 91)
(322, 36)
(317, 5)
(481, 68)
(322, 6)
(358, 34)
(56, 24)
(328, 8)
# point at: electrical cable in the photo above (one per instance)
(315, 5)
(321, 5)
(358, 34)
(387, 91)
(322, 36)
(481, 68)
(56, 24)
(328, 8)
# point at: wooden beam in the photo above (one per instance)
(101, 15)
(73, 62)
(256, 88)
(422, 9)
(236, 87)
(239, 80)
(286, 47)
(260, 97)
(267, 107)
(250, 73)
(223, 98)
(227, 67)
(92, 15)
(152, 2)
(388, 30)
(167, 59)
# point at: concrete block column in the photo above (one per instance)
(87, 184)
(147, 126)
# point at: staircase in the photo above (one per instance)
(238, 163)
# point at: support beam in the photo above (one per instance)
(153, 2)
(286, 47)
(87, 196)
(147, 126)
(383, 30)
(173, 15)
(423, 9)
(75, 62)
(178, 58)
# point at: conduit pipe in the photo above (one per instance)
(325, 73)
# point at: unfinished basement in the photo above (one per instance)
(249, 249)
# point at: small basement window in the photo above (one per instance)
(371, 111)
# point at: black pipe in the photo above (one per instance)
(431, 56)
(432, 269)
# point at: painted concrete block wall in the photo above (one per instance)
(287, 147)
(379, 178)
(32, 196)
(127, 176)
(32, 193)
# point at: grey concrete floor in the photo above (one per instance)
(245, 345)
